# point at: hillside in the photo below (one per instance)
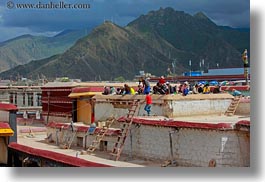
(108, 52)
(26, 48)
(197, 35)
(150, 43)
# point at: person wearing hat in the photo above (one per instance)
(162, 80)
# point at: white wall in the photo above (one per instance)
(105, 110)
(198, 107)
(191, 147)
(4, 116)
(243, 108)
(170, 108)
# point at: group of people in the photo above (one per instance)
(143, 88)
(163, 87)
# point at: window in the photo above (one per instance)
(39, 99)
(15, 94)
(11, 98)
(30, 99)
(23, 99)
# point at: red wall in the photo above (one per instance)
(58, 101)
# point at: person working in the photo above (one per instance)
(148, 101)
(236, 92)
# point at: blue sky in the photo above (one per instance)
(15, 22)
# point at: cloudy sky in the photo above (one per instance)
(15, 21)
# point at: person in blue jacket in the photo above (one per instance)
(236, 92)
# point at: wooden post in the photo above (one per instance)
(246, 66)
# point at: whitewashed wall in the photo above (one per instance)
(4, 116)
(243, 108)
(191, 147)
(198, 107)
(105, 110)
(174, 108)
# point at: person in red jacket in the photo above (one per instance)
(162, 80)
(148, 101)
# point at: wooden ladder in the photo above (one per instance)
(118, 146)
(233, 106)
(68, 137)
(100, 136)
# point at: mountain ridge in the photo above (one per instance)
(25, 48)
(152, 42)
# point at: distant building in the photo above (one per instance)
(4, 82)
(193, 73)
(225, 71)
(26, 98)
(224, 74)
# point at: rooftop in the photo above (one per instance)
(35, 136)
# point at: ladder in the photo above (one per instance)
(100, 136)
(68, 137)
(233, 106)
(118, 146)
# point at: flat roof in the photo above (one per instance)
(58, 157)
(166, 97)
(217, 122)
(88, 84)
(7, 107)
(5, 129)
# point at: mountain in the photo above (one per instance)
(151, 43)
(108, 52)
(26, 48)
(196, 34)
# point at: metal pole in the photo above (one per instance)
(173, 162)
(203, 65)
(246, 74)
(13, 125)
(57, 137)
(190, 66)
(171, 147)
(245, 61)
(48, 107)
